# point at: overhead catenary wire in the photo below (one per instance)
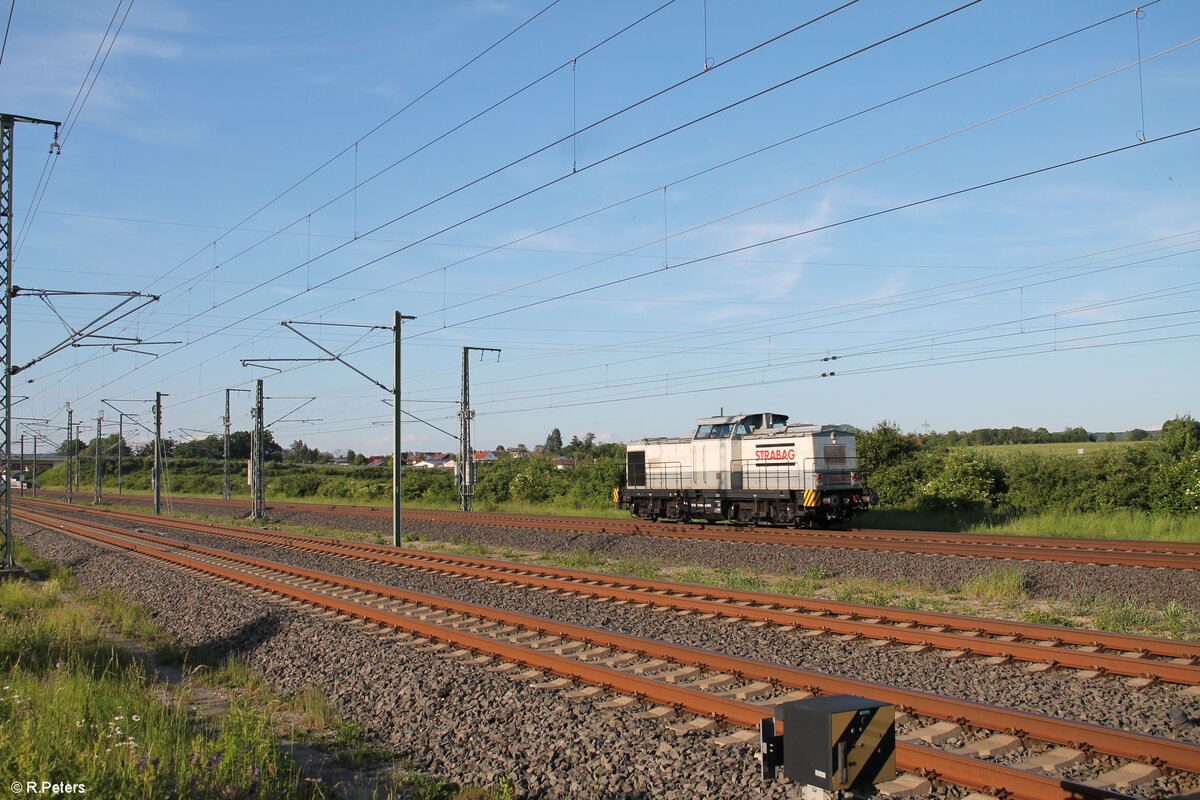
(526, 306)
(356, 185)
(764, 149)
(72, 117)
(487, 249)
(241, 331)
(511, 164)
(668, 236)
(12, 6)
(832, 225)
(623, 151)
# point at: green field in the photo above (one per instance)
(1054, 448)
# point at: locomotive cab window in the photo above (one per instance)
(714, 431)
(749, 425)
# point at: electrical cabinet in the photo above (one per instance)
(837, 742)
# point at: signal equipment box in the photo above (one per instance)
(835, 743)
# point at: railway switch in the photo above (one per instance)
(839, 743)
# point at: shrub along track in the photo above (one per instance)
(718, 673)
(1107, 552)
(1094, 652)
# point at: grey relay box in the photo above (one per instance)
(834, 743)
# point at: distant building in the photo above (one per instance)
(435, 463)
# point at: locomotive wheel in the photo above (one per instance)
(674, 510)
(746, 515)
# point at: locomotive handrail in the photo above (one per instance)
(666, 471)
(767, 476)
(819, 464)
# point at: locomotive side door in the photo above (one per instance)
(707, 460)
(699, 475)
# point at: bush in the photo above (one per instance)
(965, 481)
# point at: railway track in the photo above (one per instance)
(1160, 554)
(675, 678)
(998, 641)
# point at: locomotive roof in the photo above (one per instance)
(737, 417)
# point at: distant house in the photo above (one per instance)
(377, 461)
(487, 455)
(435, 463)
(562, 462)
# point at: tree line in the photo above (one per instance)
(925, 474)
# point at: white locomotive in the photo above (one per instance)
(750, 469)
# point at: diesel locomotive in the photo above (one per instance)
(752, 469)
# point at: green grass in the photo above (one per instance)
(1109, 525)
(1050, 616)
(634, 565)
(1129, 525)
(463, 547)
(1004, 585)
(76, 709)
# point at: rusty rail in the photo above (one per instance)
(777, 609)
(1163, 554)
(1135, 746)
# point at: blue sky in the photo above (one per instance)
(657, 211)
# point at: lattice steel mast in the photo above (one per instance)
(7, 124)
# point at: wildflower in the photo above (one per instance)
(216, 758)
(154, 761)
(136, 718)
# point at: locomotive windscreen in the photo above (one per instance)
(834, 455)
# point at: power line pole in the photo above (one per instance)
(78, 454)
(158, 460)
(121, 415)
(465, 471)
(397, 455)
(258, 502)
(7, 126)
(120, 447)
(397, 440)
(225, 485)
(99, 464)
(69, 464)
